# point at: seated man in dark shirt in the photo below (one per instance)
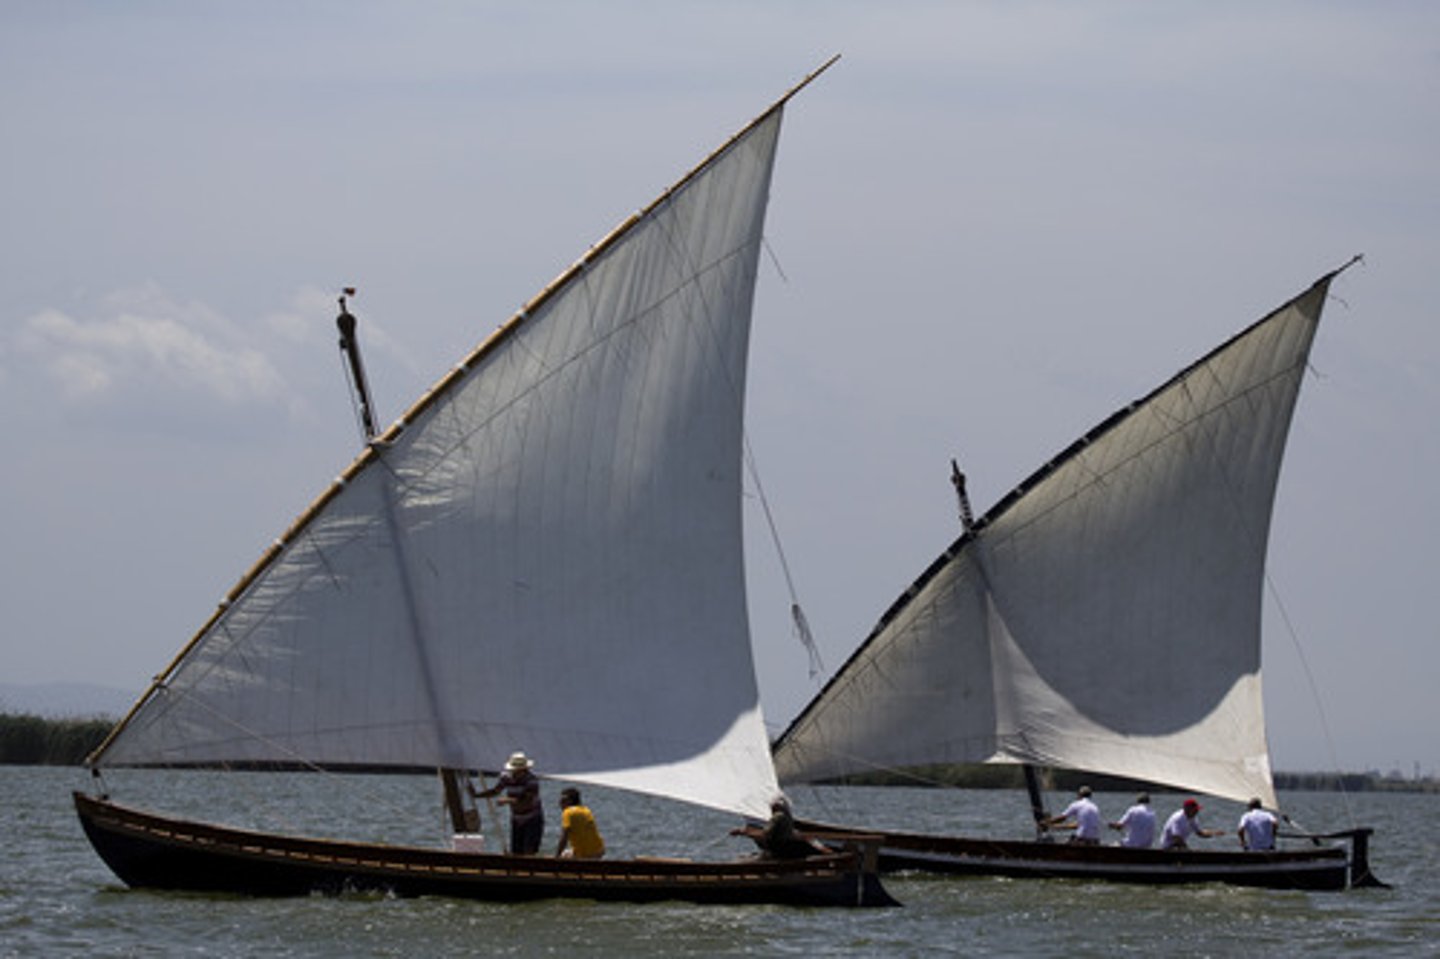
(778, 839)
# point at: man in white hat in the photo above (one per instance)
(522, 794)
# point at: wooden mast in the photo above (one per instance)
(350, 346)
(967, 522)
(464, 816)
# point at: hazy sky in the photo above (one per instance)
(992, 225)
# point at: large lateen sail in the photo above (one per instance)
(1106, 615)
(544, 553)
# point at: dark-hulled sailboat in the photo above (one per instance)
(544, 552)
(1104, 616)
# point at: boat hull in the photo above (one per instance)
(1319, 868)
(146, 850)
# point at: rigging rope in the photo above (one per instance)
(1295, 636)
(797, 615)
(356, 404)
(1315, 694)
(774, 260)
(494, 815)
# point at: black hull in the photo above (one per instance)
(157, 852)
(1318, 868)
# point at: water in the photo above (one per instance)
(58, 899)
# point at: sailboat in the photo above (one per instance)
(1104, 616)
(544, 552)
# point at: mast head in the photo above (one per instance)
(345, 321)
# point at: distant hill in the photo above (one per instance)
(65, 700)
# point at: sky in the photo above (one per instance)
(991, 225)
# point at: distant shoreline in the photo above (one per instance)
(30, 740)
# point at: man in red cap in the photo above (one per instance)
(1183, 824)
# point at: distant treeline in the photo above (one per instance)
(1354, 783)
(36, 741)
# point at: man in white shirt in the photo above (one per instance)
(1137, 826)
(1257, 828)
(1183, 824)
(1086, 815)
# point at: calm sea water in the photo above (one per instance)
(58, 899)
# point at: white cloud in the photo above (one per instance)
(310, 310)
(142, 341)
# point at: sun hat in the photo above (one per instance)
(517, 762)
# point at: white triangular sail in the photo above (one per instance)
(544, 554)
(1106, 615)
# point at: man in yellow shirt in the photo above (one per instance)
(577, 828)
